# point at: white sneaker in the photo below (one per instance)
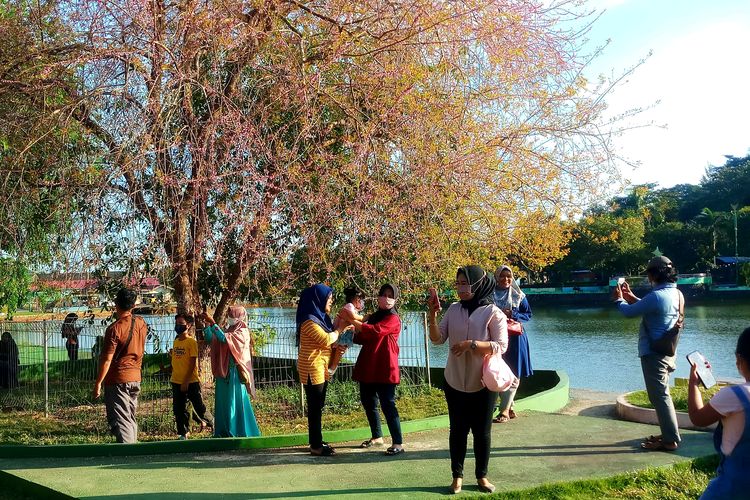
(182, 437)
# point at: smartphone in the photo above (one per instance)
(434, 298)
(704, 372)
(620, 281)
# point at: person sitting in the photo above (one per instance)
(730, 407)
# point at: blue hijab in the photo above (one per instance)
(312, 306)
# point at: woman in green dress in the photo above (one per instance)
(231, 364)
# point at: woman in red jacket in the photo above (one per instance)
(377, 368)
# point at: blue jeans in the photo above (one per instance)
(369, 394)
(656, 372)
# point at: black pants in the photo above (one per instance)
(470, 411)
(72, 351)
(369, 394)
(316, 400)
(179, 406)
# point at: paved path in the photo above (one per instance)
(528, 451)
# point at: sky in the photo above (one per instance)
(697, 79)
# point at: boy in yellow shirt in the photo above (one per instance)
(185, 382)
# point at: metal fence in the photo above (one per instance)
(42, 375)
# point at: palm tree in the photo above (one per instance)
(711, 220)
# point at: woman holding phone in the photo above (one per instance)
(474, 327)
(731, 408)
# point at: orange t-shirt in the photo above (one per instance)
(127, 366)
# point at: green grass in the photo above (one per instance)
(682, 481)
(34, 354)
(679, 397)
(277, 409)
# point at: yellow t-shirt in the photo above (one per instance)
(182, 352)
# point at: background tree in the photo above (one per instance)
(609, 239)
(14, 285)
(712, 222)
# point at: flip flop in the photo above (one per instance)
(500, 419)
(391, 451)
(512, 413)
(658, 446)
(369, 443)
(652, 439)
(325, 451)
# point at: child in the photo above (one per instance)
(350, 312)
(185, 382)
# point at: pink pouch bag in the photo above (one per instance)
(496, 374)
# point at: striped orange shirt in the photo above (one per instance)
(314, 352)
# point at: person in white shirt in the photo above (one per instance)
(730, 407)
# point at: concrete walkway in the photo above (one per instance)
(528, 451)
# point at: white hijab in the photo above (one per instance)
(511, 297)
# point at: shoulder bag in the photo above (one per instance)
(666, 345)
(514, 327)
(496, 374)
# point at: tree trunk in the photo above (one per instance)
(229, 294)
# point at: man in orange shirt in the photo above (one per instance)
(120, 368)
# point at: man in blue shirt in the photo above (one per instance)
(660, 310)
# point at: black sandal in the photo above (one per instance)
(325, 451)
(370, 443)
(392, 451)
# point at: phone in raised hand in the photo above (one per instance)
(704, 373)
(434, 298)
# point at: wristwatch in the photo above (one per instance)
(473, 345)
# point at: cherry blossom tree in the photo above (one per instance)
(283, 139)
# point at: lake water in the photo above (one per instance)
(598, 348)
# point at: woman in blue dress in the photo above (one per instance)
(232, 366)
(512, 301)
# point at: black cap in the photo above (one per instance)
(660, 262)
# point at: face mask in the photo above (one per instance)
(386, 302)
(180, 329)
(463, 289)
(231, 322)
